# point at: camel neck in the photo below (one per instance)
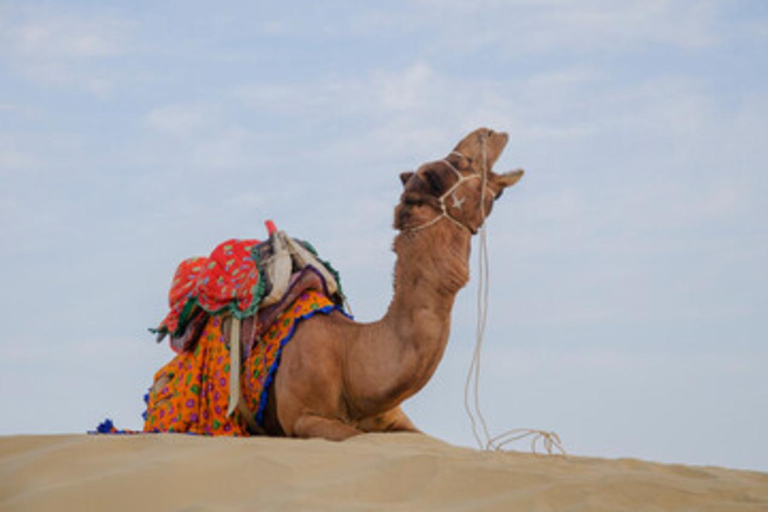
(401, 352)
(431, 267)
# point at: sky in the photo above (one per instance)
(629, 267)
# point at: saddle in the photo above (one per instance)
(250, 280)
(252, 283)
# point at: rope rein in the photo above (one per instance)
(549, 440)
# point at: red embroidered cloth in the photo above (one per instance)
(227, 280)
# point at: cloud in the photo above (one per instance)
(759, 29)
(51, 49)
(64, 75)
(231, 147)
(73, 352)
(405, 110)
(602, 24)
(409, 90)
(12, 161)
(281, 98)
(46, 35)
(530, 27)
(179, 120)
(274, 28)
(380, 91)
(522, 361)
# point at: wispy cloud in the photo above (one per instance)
(180, 120)
(503, 361)
(12, 161)
(52, 49)
(523, 27)
(37, 34)
(410, 108)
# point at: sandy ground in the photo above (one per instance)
(371, 472)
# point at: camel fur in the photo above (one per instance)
(339, 378)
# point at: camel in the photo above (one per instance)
(339, 378)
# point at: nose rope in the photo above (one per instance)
(472, 406)
(550, 440)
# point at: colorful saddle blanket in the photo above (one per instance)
(194, 387)
(232, 280)
(210, 298)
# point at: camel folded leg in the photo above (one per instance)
(402, 423)
(391, 421)
(317, 426)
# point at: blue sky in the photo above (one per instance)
(629, 284)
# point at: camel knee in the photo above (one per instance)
(391, 421)
(308, 426)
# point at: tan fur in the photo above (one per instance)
(339, 378)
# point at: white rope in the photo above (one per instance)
(441, 200)
(234, 364)
(472, 406)
(549, 440)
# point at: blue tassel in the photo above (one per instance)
(105, 427)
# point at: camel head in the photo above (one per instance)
(453, 188)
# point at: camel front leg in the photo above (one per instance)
(331, 429)
(391, 421)
(402, 423)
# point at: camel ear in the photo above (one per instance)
(405, 176)
(508, 179)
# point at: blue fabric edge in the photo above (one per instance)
(273, 369)
(107, 426)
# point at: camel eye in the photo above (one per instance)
(413, 202)
(433, 180)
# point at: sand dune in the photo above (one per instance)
(372, 472)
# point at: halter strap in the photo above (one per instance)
(444, 213)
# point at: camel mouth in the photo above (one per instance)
(500, 138)
(495, 144)
(483, 146)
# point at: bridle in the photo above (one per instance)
(457, 201)
(550, 440)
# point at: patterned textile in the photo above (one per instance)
(226, 281)
(195, 397)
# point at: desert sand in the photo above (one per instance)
(371, 472)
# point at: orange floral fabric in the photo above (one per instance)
(195, 398)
